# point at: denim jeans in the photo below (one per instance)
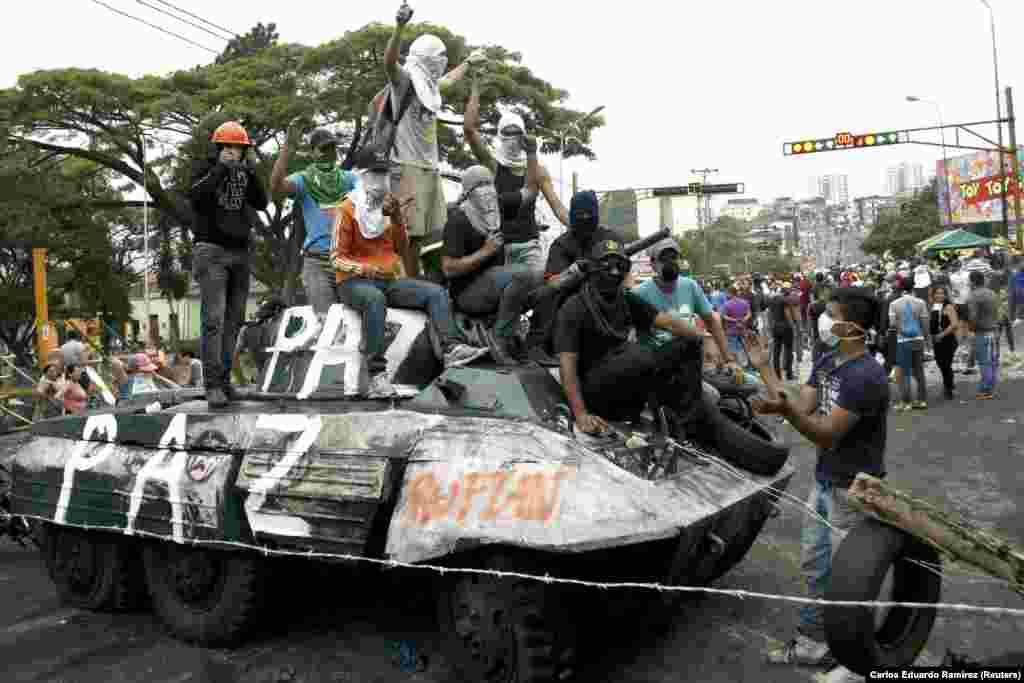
(223, 277)
(372, 298)
(782, 349)
(910, 358)
(529, 254)
(502, 289)
(818, 545)
(320, 283)
(986, 352)
(735, 344)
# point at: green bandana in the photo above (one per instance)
(326, 183)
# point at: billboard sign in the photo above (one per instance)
(976, 187)
(618, 212)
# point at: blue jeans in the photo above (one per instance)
(505, 290)
(986, 352)
(735, 345)
(372, 298)
(818, 545)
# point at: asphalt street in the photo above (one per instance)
(334, 626)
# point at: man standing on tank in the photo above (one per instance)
(518, 178)
(319, 189)
(225, 190)
(415, 173)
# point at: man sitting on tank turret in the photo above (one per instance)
(605, 375)
(369, 238)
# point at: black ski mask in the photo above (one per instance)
(669, 271)
(609, 278)
(584, 214)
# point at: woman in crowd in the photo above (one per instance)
(944, 325)
(72, 393)
(50, 385)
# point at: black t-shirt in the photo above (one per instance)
(577, 332)
(861, 387)
(517, 215)
(568, 249)
(462, 239)
(777, 310)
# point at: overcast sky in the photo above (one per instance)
(685, 84)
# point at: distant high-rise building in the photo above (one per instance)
(834, 188)
(905, 177)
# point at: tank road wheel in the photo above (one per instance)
(862, 638)
(504, 631)
(91, 569)
(204, 596)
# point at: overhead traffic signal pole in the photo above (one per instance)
(847, 141)
(703, 204)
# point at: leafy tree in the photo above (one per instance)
(60, 205)
(917, 219)
(258, 38)
(118, 122)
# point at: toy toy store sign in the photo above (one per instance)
(983, 190)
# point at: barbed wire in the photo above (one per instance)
(548, 579)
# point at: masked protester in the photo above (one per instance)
(225, 192)
(842, 410)
(518, 177)
(415, 172)
(670, 292)
(604, 375)
(369, 235)
(574, 245)
(319, 188)
(479, 281)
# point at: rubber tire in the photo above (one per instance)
(858, 571)
(118, 581)
(755, 452)
(747, 527)
(533, 623)
(236, 604)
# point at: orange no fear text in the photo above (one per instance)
(526, 496)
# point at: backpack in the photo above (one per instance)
(910, 327)
(382, 121)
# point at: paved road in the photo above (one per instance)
(964, 455)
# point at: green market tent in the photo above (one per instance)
(925, 243)
(959, 239)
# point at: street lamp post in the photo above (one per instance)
(945, 158)
(999, 112)
(145, 239)
(561, 148)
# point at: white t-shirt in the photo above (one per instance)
(416, 138)
(960, 285)
(922, 278)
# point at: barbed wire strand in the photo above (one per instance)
(548, 579)
(976, 577)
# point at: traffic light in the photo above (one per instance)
(843, 141)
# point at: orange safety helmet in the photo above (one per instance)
(231, 133)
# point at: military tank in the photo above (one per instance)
(478, 467)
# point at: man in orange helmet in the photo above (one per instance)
(224, 193)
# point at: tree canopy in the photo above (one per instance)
(899, 231)
(147, 130)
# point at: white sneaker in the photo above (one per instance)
(463, 354)
(380, 387)
(802, 651)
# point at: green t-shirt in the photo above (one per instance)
(686, 302)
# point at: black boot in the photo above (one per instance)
(215, 397)
(229, 391)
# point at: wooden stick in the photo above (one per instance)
(951, 536)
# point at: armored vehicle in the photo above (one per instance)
(475, 467)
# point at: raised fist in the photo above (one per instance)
(404, 15)
(230, 156)
(390, 206)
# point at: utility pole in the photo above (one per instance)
(703, 204)
(1015, 167)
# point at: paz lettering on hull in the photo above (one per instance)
(527, 494)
